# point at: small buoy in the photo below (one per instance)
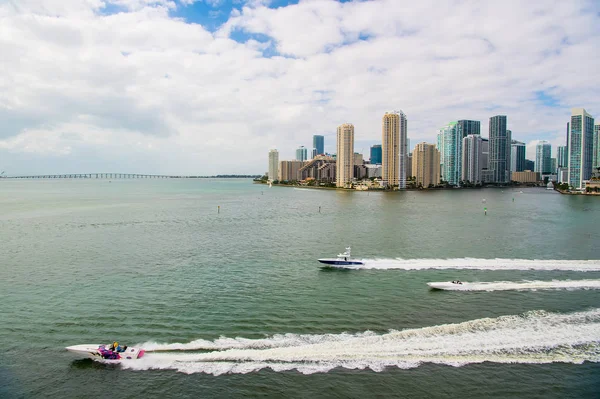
(219, 209)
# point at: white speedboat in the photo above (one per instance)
(342, 259)
(448, 285)
(107, 352)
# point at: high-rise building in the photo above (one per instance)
(393, 149)
(484, 163)
(529, 165)
(273, 173)
(500, 141)
(319, 144)
(553, 166)
(288, 170)
(561, 156)
(375, 154)
(345, 155)
(426, 164)
(596, 154)
(543, 163)
(471, 154)
(358, 159)
(466, 127)
(517, 156)
(301, 154)
(451, 148)
(581, 145)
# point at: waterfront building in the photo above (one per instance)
(562, 174)
(529, 164)
(467, 127)
(288, 170)
(273, 171)
(425, 165)
(561, 159)
(319, 144)
(301, 154)
(451, 141)
(440, 148)
(527, 176)
(517, 156)
(543, 163)
(345, 155)
(375, 154)
(358, 159)
(553, 165)
(500, 141)
(580, 151)
(471, 153)
(596, 149)
(484, 163)
(321, 168)
(393, 149)
(409, 169)
(373, 170)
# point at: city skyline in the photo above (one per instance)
(208, 87)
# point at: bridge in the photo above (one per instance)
(101, 176)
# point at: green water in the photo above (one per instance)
(153, 262)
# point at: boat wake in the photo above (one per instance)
(535, 337)
(518, 286)
(480, 264)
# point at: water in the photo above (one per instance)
(234, 304)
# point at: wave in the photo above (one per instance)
(518, 286)
(536, 337)
(480, 264)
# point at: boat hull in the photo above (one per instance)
(341, 262)
(447, 285)
(92, 351)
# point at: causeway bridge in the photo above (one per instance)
(101, 176)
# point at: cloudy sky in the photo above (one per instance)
(209, 86)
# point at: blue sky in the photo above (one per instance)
(206, 87)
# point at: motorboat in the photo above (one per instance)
(448, 285)
(343, 259)
(112, 352)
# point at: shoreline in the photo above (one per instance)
(389, 191)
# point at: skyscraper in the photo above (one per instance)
(345, 155)
(500, 142)
(471, 154)
(529, 165)
(581, 146)
(273, 165)
(596, 155)
(301, 154)
(426, 164)
(543, 164)
(466, 127)
(376, 154)
(517, 156)
(451, 143)
(393, 148)
(561, 156)
(319, 144)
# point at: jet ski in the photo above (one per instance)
(342, 259)
(113, 352)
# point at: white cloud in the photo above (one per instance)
(146, 86)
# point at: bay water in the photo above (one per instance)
(218, 279)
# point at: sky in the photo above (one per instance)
(206, 87)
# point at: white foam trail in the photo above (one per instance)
(480, 264)
(535, 337)
(518, 286)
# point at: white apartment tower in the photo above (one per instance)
(345, 155)
(472, 146)
(273, 165)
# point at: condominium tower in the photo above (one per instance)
(517, 156)
(273, 173)
(450, 146)
(561, 156)
(543, 163)
(301, 154)
(319, 144)
(345, 155)
(500, 141)
(426, 165)
(596, 155)
(471, 158)
(393, 149)
(580, 142)
(466, 127)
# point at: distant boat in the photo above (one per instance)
(550, 186)
(343, 259)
